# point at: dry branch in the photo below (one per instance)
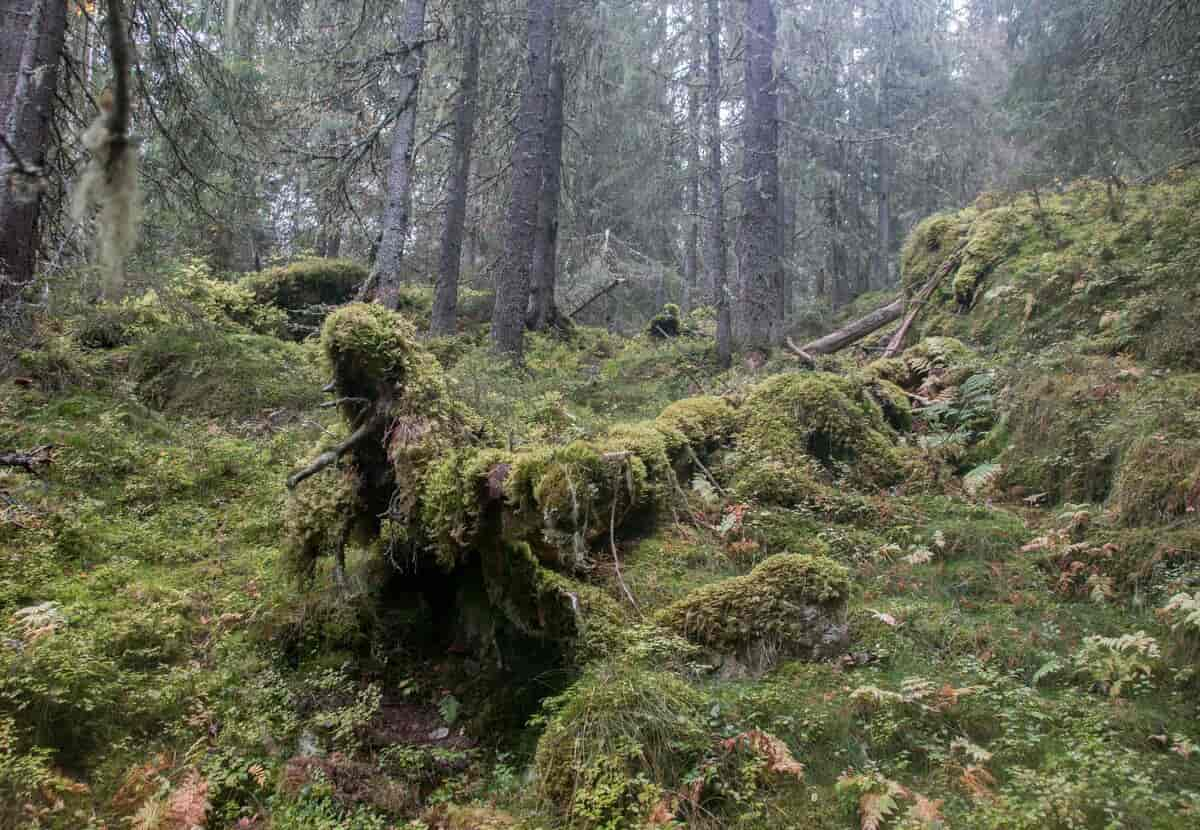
(332, 456)
(596, 296)
(897, 341)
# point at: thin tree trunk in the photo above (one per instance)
(445, 301)
(714, 247)
(512, 283)
(544, 310)
(31, 37)
(691, 244)
(397, 209)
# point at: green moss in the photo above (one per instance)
(368, 346)
(929, 245)
(1158, 481)
(316, 518)
(454, 490)
(615, 742)
(306, 285)
(790, 604)
(705, 421)
(827, 417)
(200, 372)
(771, 482)
(666, 323)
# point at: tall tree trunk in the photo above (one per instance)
(445, 301)
(714, 241)
(759, 266)
(512, 283)
(883, 160)
(543, 310)
(31, 37)
(691, 243)
(397, 209)
(839, 289)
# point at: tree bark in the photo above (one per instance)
(714, 241)
(445, 301)
(398, 207)
(855, 331)
(31, 38)
(543, 309)
(691, 243)
(512, 283)
(759, 266)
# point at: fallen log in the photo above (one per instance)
(850, 333)
(28, 461)
(596, 296)
(897, 341)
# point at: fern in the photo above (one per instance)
(981, 477)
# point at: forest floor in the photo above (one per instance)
(1023, 599)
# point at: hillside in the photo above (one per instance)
(619, 587)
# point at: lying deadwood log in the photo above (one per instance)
(596, 296)
(852, 333)
(28, 461)
(897, 341)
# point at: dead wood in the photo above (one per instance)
(897, 341)
(28, 461)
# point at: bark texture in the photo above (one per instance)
(31, 38)
(759, 265)
(543, 309)
(398, 207)
(691, 242)
(445, 301)
(714, 240)
(512, 283)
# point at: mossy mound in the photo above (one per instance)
(1158, 481)
(828, 417)
(704, 421)
(212, 373)
(665, 324)
(788, 605)
(307, 289)
(1110, 271)
(616, 741)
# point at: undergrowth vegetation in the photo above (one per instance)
(617, 587)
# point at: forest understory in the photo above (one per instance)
(619, 586)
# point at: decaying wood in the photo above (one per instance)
(28, 461)
(897, 341)
(596, 296)
(851, 333)
(332, 456)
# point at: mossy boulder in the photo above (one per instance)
(828, 417)
(705, 421)
(790, 605)
(616, 741)
(307, 289)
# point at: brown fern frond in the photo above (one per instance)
(188, 805)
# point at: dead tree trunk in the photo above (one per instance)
(397, 209)
(31, 38)
(852, 332)
(445, 302)
(512, 283)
